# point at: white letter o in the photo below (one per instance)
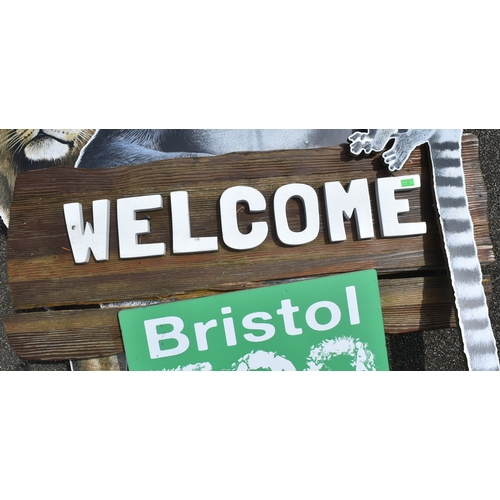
(311, 316)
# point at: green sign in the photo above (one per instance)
(332, 323)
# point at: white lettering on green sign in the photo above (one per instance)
(300, 325)
(287, 311)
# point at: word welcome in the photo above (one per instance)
(340, 205)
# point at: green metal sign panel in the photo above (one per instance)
(331, 323)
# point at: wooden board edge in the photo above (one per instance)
(408, 305)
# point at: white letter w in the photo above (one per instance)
(82, 242)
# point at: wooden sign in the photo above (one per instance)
(415, 291)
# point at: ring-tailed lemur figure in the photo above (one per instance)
(456, 226)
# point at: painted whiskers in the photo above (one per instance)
(456, 227)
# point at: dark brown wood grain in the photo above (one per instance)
(42, 272)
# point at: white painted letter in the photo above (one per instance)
(311, 209)
(355, 201)
(389, 207)
(229, 327)
(231, 234)
(352, 304)
(200, 330)
(154, 338)
(129, 228)
(334, 316)
(287, 311)
(249, 323)
(181, 228)
(82, 242)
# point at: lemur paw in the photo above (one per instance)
(361, 141)
(396, 157)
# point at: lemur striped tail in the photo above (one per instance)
(461, 251)
(456, 228)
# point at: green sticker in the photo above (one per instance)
(407, 182)
(332, 323)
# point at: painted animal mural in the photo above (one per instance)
(30, 149)
(24, 149)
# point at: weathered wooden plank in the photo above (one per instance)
(52, 335)
(408, 304)
(42, 271)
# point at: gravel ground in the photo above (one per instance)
(428, 350)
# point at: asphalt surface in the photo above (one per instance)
(428, 350)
